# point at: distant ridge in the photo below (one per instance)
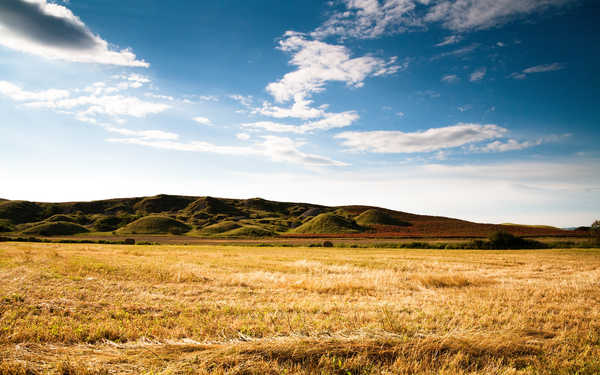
(205, 216)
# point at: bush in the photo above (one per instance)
(595, 230)
(129, 241)
(503, 240)
(327, 244)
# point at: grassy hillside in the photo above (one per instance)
(58, 228)
(219, 228)
(255, 217)
(155, 225)
(376, 216)
(328, 223)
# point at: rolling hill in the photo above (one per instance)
(227, 218)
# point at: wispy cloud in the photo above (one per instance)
(245, 100)
(202, 120)
(15, 92)
(450, 78)
(467, 15)
(477, 75)
(516, 145)
(278, 149)
(538, 69)
(432, 94)
(367, 19)
(52, 31)
(457, 52)
(329, 121)
(99, 99)
(450, 39)
(424, 141)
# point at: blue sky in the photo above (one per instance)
(485, 110)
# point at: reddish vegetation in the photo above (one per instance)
(439, 227)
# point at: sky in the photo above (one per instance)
(484, 110)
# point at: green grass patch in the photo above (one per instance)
(378, 217)
(59, 228)
(328, 223)
(218, 228)
(155, 225)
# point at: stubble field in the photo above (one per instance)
(103, 309)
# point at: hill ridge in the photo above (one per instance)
(253, 216)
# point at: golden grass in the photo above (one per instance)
(104, 309)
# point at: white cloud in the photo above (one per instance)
(544, 68)
(208, 98)
(16, 93)
(424, 141)
(158, 96)
(464, 108)
(202, 120)
(451, 39)
(299, 109)
(366, 19)
(515, 145)
(509, 145)
(109, 105)
(278, 149)
(329, 121)
(52, 31)
(464, 15)
(477, 75)
(245, 100)
(538, 69)
(457, 52)
(450, 78)
(429, 93)
(400, 114)
(118, 83)
(318, 63)
(242, 136)
(142, 134)
(87, 107)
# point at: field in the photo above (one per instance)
(103, 309)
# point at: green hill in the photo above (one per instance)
(249, 231)
(218, 228)
(163, 203)
(20, 212)
(210, 216)
(60, 217)
(155, 225)
(58, 228)
(329, 223)
(376, 216)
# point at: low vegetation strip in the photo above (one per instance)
(100, 309)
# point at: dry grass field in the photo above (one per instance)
(104, 309)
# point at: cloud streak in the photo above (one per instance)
(434, 139)
(277, 149)
(466, 15)
(544, 68)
